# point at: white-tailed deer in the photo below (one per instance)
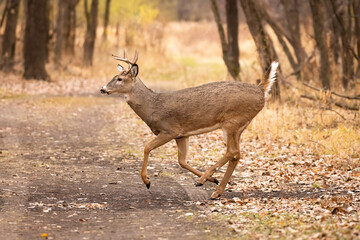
(178, 115)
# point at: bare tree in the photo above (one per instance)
(344, 24)
(60, 30)
(184, 9)
(70, 27)
(91, 25)
(9, 38)
(281, 32)
(230, 47)
(65, 29)
(290, 31)
(262, 40)
(291, 8)
(232, 35)
(3, 16)
(36, 39)
(356, 7)
(333, 30)
(106, 18)
(319, 33)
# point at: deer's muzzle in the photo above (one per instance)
(103, 91)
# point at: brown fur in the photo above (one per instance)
(195, 108)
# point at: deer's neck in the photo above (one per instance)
(142, 100)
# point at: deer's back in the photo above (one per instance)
(217, 96)
(210, 104)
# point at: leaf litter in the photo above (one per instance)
(283, 190)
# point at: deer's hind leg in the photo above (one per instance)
(235, 148)
(231, 151)
(183, 148)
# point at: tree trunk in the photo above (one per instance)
(356, 6)
(65, 29)
(117, 34)
(232, 37)
(106, 18)
(334, 30)
(36, 39)
(280, 32)
(90, 36)
(70, 28)
(344, 23)
(3, 16)
(230, 48)
(346, 39)
(60, 30)
(292, 17)
(324, 73)
(262, 41)
(9, 39)
(183, 10)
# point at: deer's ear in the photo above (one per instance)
(120, 68)
(134, 70)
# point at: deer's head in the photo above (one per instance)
(124, 81)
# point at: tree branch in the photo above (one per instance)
(343, 31)
(301, 65)
(6, 9)
(338, 104)
(277, 27)
(220, 28)
(332, 110)
(347, 107)
(87, 14)
(334, 93)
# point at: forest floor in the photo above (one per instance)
(69, 169)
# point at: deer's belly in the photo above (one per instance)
(201, 130)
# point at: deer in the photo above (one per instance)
(226, 105)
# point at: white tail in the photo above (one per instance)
(269, 78)
(229, 106)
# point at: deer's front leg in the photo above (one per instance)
(158, 141)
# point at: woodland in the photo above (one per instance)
(70, 158)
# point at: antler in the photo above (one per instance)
(124, 59)
(136, 56)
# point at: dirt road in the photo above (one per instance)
(64, 175)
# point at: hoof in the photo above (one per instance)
(148, 185)
(216, 181)
(215, 198)
(198, 184)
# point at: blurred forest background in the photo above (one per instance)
(186, 43)
(316, 41)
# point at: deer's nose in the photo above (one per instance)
(103, 91)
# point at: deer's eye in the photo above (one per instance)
(119, 79)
